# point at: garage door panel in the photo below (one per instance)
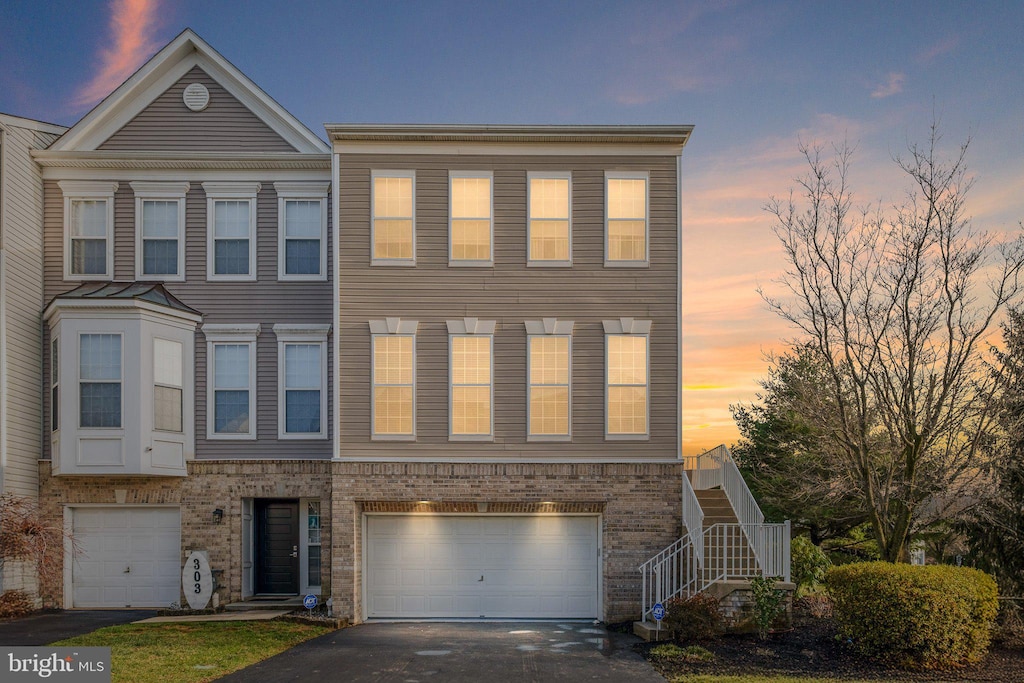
(143, 541)
(532, 567)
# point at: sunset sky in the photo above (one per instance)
(754, 78)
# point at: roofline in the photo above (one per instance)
(181, 160)
(31, 124)
(372, 132)
(183, 44)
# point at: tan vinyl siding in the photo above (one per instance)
(510, 293)
(226, 125)
(265, 301)
(22, 196)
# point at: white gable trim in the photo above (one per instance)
(164, 69)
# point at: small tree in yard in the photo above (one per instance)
(995, 525)
(26, 538)
(897, 305)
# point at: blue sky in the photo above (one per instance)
(752, 77)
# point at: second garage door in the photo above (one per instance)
(542, 567)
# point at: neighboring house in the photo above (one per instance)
(189, 307)
(501, 435)
(21, 298)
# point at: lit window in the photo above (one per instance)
(231, 230)
(302, 381)
(627, 379)
(394, 233)
(549, 385)
(302, 230)
(471, 227)
(471, 347)
(626, 211)
(167, 384)
(99, 372)
(231, 384)
(160, 230)
(393, 385)
(88, 229)
(549, 223)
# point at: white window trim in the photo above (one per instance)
(88, 190)
(160, 191)
(78, 384)
(230, 334)
(469, 263)
(395, 327)
(548, 327)
(55, 384)
(299, 191)
(462, 328)
(629, 175)
(180, 387)
(537, 263)
(301, 334)
(373, 219)
(305, 545)
(218, 191)
(622, 327)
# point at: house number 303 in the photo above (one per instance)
(197, 580)
(197, 576)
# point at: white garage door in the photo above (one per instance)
(543, 567)
(129, 557)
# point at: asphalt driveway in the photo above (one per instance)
(459, 652)
(49, 627)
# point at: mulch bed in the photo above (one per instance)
(811, 649)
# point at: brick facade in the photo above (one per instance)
(638, 504)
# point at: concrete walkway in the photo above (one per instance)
(252, 615)
(459, 653)
(49, 627)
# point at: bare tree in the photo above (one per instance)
(898, 303)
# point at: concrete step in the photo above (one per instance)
(648, 630)
(266, 602)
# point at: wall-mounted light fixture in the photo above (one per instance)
(218, 516)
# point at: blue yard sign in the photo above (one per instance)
(309, 602)
(658, 612)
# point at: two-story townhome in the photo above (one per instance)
(508, 390)
(187, 327)
(21, 298)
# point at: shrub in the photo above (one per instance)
(814, 606)
(808, 563)
(694, 618)
(767, 603)
(15, 604)
(914, 617)
(1009, 631)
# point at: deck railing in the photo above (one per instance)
(702, 557)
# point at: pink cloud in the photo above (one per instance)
(893, 86)
(132, 24)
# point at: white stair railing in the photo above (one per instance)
(670, 573)
(693, 520)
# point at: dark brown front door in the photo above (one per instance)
(277, 546)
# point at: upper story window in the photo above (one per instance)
(302, 381)
(231, 381)
(471, 219)
(550, 236)
(394, 218)
(549, 401)
(99, 385)
(160, 230)
(626, 219)
(302, 231)
(168, 382)
(627, 378)
(55, 384)
(471, 363)
(88, 229)
(231, 230)
(394, 378)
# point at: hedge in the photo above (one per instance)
(914, 617)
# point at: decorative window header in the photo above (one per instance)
(549, 326)
(393, 326)
(627, 326)
(471, 326)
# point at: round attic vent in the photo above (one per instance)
(196, 96)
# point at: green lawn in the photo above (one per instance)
(705, 678)
(192, 652)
